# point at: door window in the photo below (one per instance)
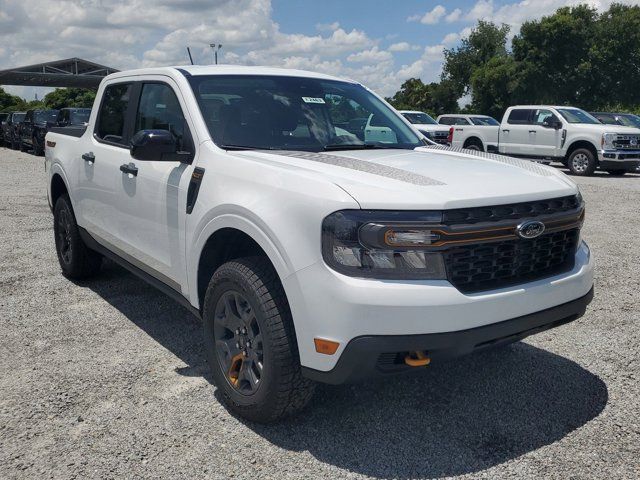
(112, 115)
(542, 115)
(159, 109)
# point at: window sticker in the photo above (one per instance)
(312, 100)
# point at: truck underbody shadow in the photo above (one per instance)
(455, 417)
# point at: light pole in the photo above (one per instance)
(215, 49)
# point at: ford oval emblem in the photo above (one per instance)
(530, 229)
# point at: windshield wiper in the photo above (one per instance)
(357, 146)
(244, 147)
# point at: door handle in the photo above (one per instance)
(532, 131)
(129, 168)
(89, 157)
(505, 130)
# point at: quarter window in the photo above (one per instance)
(111, 119)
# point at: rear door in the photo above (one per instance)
(99, 181)
(517, 134)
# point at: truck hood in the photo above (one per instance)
(427, 127)
(585, 127)
(432, 177)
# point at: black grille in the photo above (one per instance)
(474, 268)
(627, 142)
(512, 211)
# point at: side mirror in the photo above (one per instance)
(551, 122)
(154, 145)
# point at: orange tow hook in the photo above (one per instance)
(417, 359)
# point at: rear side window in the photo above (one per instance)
(519, 116)
(446, 121)
(113, 111)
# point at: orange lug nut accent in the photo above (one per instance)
(325, 346)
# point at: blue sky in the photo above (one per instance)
(380, 43)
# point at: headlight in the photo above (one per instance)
(382, 244)
(607, 141)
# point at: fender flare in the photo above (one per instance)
(240, 219)
(56, 169)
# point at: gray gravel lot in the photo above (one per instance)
(107, 379)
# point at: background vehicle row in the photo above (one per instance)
(26, 130)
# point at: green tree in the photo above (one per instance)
(554, 56)
(11, 103)
(615, 59)
(485, 41)
(433, 98)
(495, 86)
(69, 97)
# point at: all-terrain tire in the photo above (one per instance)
(282, 390)
(77, 261)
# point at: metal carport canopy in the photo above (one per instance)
(71, 72)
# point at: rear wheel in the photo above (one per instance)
(582, 162)
(474, 146)
(250, 342)
(76, 259)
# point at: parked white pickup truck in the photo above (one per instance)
(427, 126)
(479, 131)
(308, 253)
(552, 133)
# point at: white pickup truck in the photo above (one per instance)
(309, 253)
(427, 126)
(553, 133)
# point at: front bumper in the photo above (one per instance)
(619, 159)
(369, 356)
(328, 305)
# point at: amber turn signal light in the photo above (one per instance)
(325, 346)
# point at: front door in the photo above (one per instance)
(152, 201)
(547, 138)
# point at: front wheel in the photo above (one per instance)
(582, 162)
(250, 342)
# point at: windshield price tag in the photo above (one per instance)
(312, 100)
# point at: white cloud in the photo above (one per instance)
(373, 55)
(430, 18)
(399, 47)
(454, 16)
(450, 38)
(327, 27)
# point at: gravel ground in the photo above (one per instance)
(107, 379)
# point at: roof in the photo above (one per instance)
(197, 70)
(70, 72)
(412, 111)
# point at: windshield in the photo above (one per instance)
(630, 120)
(420, 118)
(292, 113)
(18, 117)
(80, 116)
(484, 121)
(43, 116)
(575, 115)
